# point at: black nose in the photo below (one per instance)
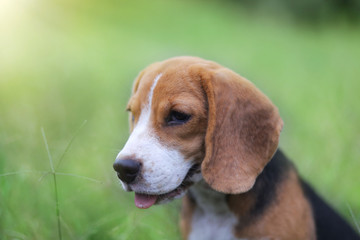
(126, 169)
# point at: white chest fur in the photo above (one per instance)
(212, 219)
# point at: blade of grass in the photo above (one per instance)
(78, 176)
(55, 184)
(54, 173)
(21, 172)
(43, 176)
(57, 207)
(47, 150)
(69, 143)
(353, 217)
(67, 228)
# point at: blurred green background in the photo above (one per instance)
(64, 62)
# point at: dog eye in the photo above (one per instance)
(177, 118)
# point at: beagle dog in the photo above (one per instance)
(202, 132)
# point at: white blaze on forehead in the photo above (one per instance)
(143, 124)
(152, 89)
(163, 168)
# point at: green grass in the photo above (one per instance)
(64, 62)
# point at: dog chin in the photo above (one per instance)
(166, 200)
(144, 200)
(180, 191)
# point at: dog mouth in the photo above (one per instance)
(143, 200)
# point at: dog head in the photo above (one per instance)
(193, 119)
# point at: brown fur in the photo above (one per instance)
(289, 216)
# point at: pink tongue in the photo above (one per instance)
(145, 201)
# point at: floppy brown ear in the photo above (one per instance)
(243, 130)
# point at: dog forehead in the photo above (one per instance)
(173, 78)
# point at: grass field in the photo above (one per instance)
(66, 62)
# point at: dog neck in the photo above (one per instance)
(212, 218)
(207, 199)
(248, 204)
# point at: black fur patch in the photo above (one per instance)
(329, 224)
(267, 182)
